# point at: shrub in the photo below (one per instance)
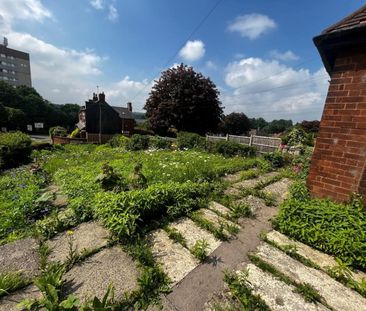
(230, 149)
(118, 141)
(334, 228)
(138, 142)
(187, 140)
(157, 142)
(57, 131)
(120, 212)
(275, 158)
(15, 148)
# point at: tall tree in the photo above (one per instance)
(183, 100)
(236, 123)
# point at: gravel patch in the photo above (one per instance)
(10, 302)
(92, 277)
(87, 236)
(21, 255)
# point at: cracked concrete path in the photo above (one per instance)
(195, 289)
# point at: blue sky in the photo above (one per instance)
(259, 53)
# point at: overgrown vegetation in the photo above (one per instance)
(11, 281)
(15, 149)
(337, 229)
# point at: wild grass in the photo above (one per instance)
(12, 281)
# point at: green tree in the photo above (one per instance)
(3, 115)
(183, 100)
(236, 123)
(16, 118)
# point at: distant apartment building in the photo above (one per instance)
(14, 66)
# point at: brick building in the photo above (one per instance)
(98, 121)
(338, 166)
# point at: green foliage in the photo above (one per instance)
(175, 235)
(337, 229)
(138, 142)
(275, 158)
(137, 180)
(119, 212)
(106, 303)
(11, 281)
(203, 223)
(230, 149)
(186, 140)
(183, 100)
(157, 142)
(242, 293)
(235, 123)
(309, 293)
(240, 209)
(296, 137)
(200, 249)
(111, 181)
(15, 149)
(57, 131)
(119, 141)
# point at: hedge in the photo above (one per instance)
(15, 149)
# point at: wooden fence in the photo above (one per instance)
(263, 144)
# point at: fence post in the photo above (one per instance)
(227, 137)
(251, 140)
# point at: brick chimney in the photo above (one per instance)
(102, 97)
(129, 106)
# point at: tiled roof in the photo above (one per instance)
(123, 112)
(355, 20)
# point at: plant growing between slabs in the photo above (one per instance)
(200, 249)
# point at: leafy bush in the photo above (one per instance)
(334, 228)
(187, 140)
(157, 142)
(275, 158)
(138, 142)
(230, 149)
(119, 212)
(118, 141)
(110, 180)
(15, 148)
(58, 131)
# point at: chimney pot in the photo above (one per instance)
(129, 106)
(102, 97)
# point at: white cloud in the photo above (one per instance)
(108, 6)
(193, 50)
(285, 56)
(113, 13)
(273, 90)
(32, 10)
(97, 4)
(252, 26)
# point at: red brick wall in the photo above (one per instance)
(338, 165)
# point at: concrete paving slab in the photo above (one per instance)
(21, 255)
(279, 189)
(250, 183)
(176, 260)
(93, 276)
(10, 302)
(254, 203)
(336, 295)
(221, 209)
(87, 236)
(277, 295)
(324, 261)
(192, 233)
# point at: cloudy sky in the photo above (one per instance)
(259, 53)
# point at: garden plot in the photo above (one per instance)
(192, 233)
(336, 295)
(10, 302)
(93, 276)
(277, 295)
(84, 238)
(176, 260)
(321, 259)
(21, 255)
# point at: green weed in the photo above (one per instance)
(12, 281)
(200, 249)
